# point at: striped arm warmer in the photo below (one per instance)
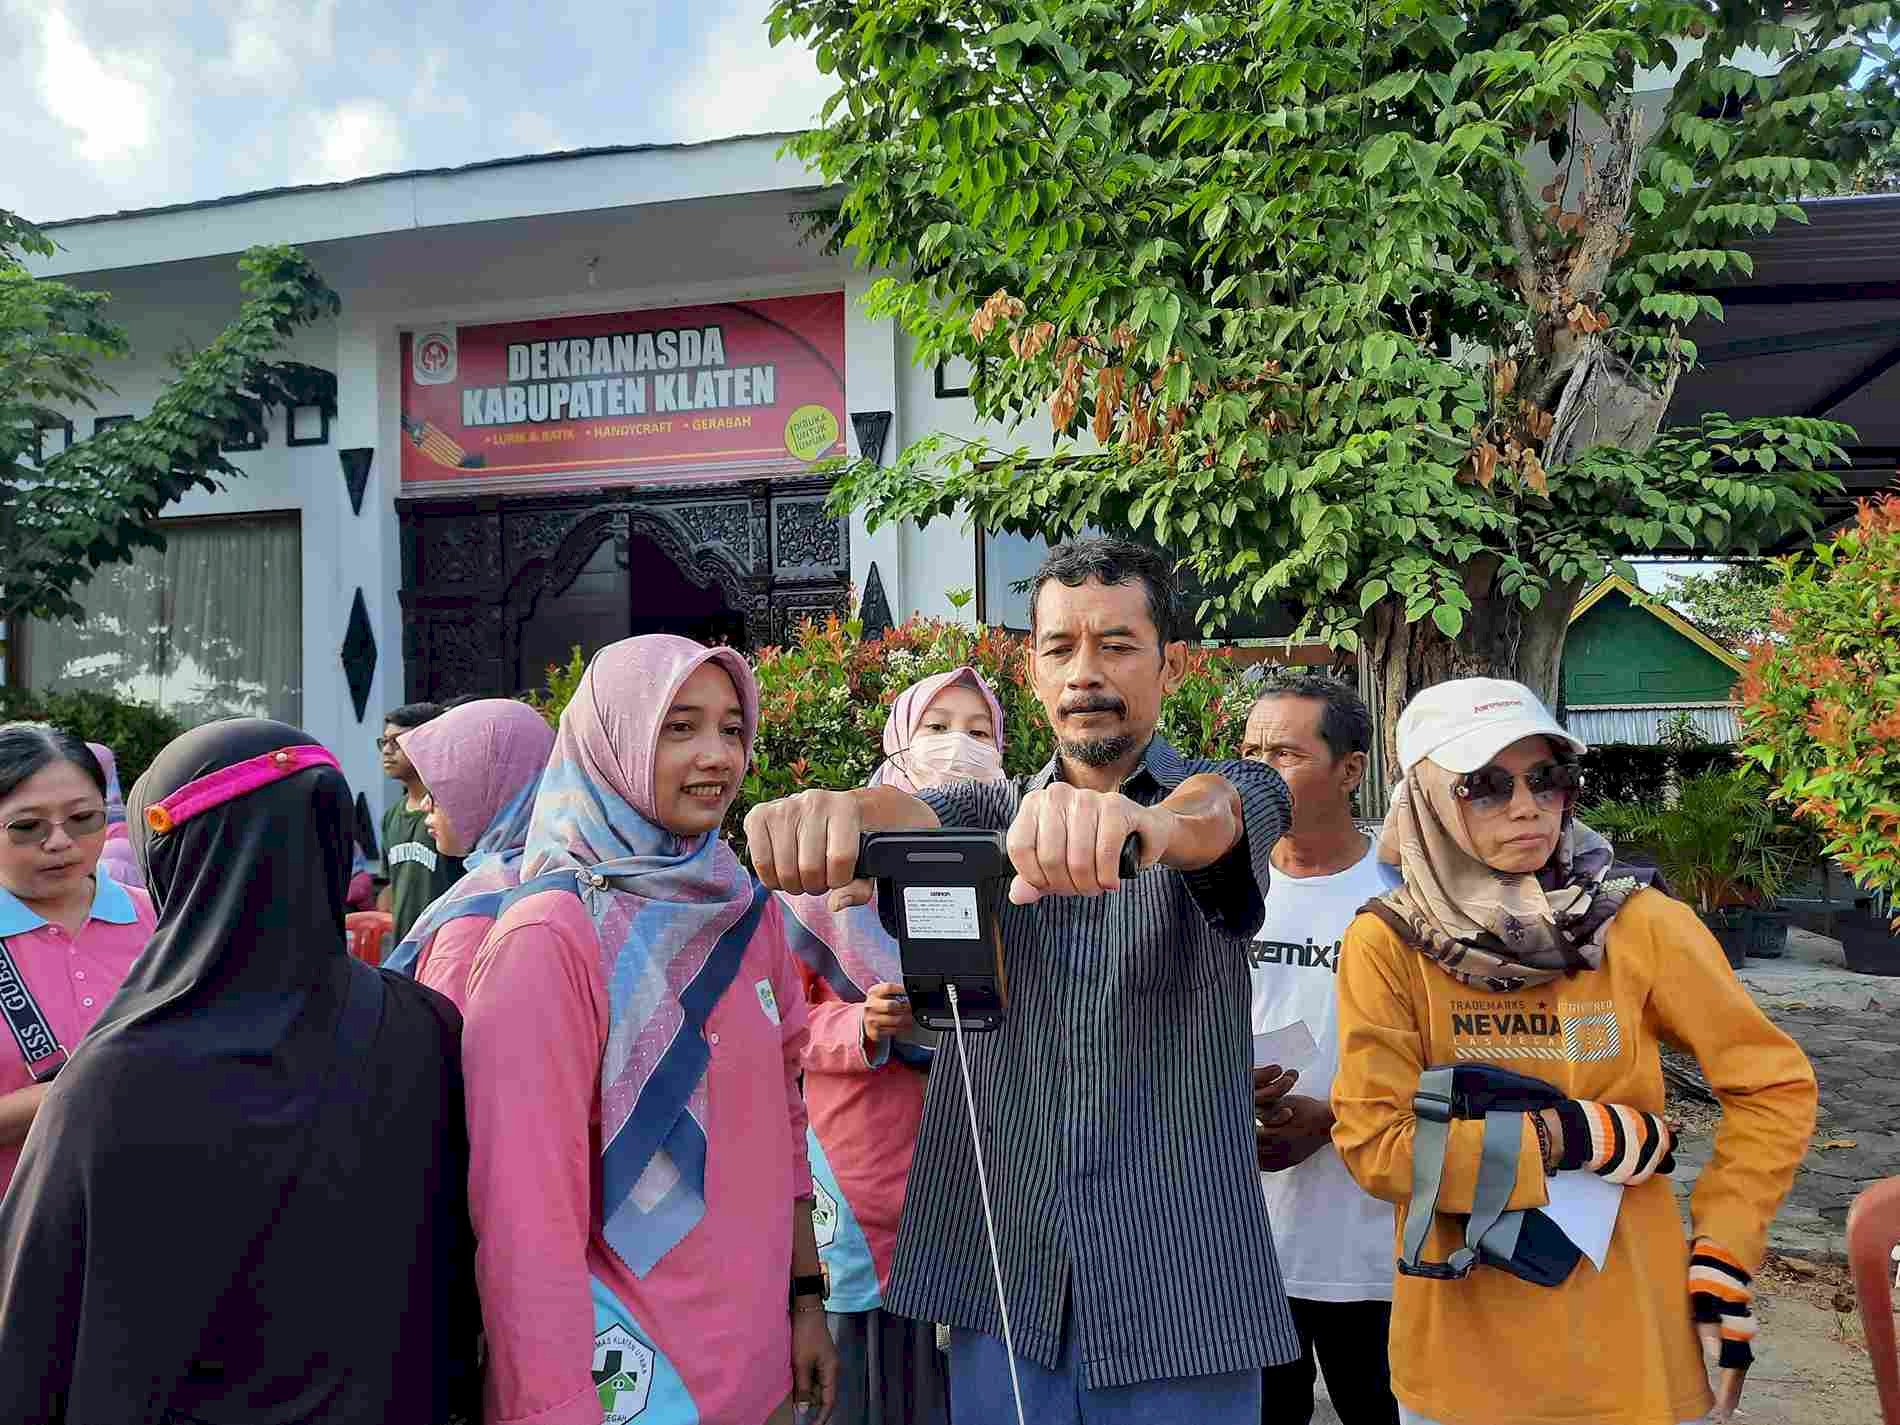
(1615, 1141)
(1719, 1294)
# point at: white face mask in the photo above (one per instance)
(952, 757)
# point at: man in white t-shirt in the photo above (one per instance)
(1334, 1241)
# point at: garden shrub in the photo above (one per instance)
(136, 732)
(1822, 705)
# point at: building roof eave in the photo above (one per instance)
(1654, 607)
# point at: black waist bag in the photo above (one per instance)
(1526, 1244)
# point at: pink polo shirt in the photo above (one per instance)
(72, 978)
(713, 1311)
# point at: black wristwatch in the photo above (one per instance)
(813, 1285)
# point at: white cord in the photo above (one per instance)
(989, 1218)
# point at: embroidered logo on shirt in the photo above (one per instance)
(824, 1215)
(767, 1000)
(413, 851)
(623, 1374)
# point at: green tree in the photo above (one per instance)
(1282, 277)
(64, 516)
(1733, 605)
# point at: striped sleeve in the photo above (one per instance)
(974, 806)
(1231, 893)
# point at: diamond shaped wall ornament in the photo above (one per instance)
(366, 828)
(356, 473)
(872, 428)
(359, 655)
(874, 609)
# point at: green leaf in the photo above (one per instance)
(1379, 154)
(1449, 620)
(1374, 590)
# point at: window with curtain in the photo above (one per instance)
(210, 627)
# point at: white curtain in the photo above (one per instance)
(212, 627)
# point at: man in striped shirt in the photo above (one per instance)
(1139, 1279)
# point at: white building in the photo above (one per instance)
(581, 394)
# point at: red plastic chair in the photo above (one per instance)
(1873, 1227)
(369, 931)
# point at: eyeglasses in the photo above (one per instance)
(1490, 789)
(38, 830)
(385, 744)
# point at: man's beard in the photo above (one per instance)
(1097, 751)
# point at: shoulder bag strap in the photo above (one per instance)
(33, 1036)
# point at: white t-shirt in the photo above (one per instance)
(1334, 1240)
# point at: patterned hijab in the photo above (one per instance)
(850, 950)
(482, 764)
(1489, 929)
(673, 916)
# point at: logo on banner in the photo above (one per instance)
(433, 358)
(623, 1374)
(811, 431)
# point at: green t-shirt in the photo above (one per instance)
(417, 873)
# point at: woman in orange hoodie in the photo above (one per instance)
(1512, 943)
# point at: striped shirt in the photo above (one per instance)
(1117, 1116)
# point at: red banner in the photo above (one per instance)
(616, 398)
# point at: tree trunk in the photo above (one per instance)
(1501, 639)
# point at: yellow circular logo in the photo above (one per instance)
(811, 431)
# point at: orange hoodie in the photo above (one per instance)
(1616, 1347)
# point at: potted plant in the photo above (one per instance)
(1720, 847)
(1869, 942)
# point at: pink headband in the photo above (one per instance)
(229, 783)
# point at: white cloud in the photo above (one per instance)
(743, 85)
(431, 97)
(353, 140)
(272, 43)
(108, 99)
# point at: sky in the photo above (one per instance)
(108, 105)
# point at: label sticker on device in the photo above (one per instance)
(941, 912)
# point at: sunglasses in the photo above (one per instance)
(1490, 789)
(38, 830)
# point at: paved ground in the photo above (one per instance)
(1850, 1026)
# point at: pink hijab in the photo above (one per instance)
(482, 765)
(117, 860)
(907, 715)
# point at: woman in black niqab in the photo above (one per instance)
(245, 1202)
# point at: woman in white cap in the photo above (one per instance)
(1514, 945)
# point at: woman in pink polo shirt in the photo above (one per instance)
(481, 763)
(67, 932)
(639, 1187)
(864, 1075)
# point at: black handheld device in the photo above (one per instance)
(940, 896)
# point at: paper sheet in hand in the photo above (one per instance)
(1585, 1207)
(1288, 1046)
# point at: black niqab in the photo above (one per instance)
(244, 1199)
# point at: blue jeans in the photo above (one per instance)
(980, 1393)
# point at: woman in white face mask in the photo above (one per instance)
(864, 1075)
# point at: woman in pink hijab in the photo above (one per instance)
(117, 860)
(864, 1075)
(635, 1026)
(481, 763)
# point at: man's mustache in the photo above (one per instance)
(1092, 705)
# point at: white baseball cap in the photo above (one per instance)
(1461, 725)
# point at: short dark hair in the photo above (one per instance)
(412, 715)
(1345, 723)
(27, 748)
(1115, 561)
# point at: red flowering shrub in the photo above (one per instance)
(1822, 708)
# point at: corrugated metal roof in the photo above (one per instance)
(1644, 725)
